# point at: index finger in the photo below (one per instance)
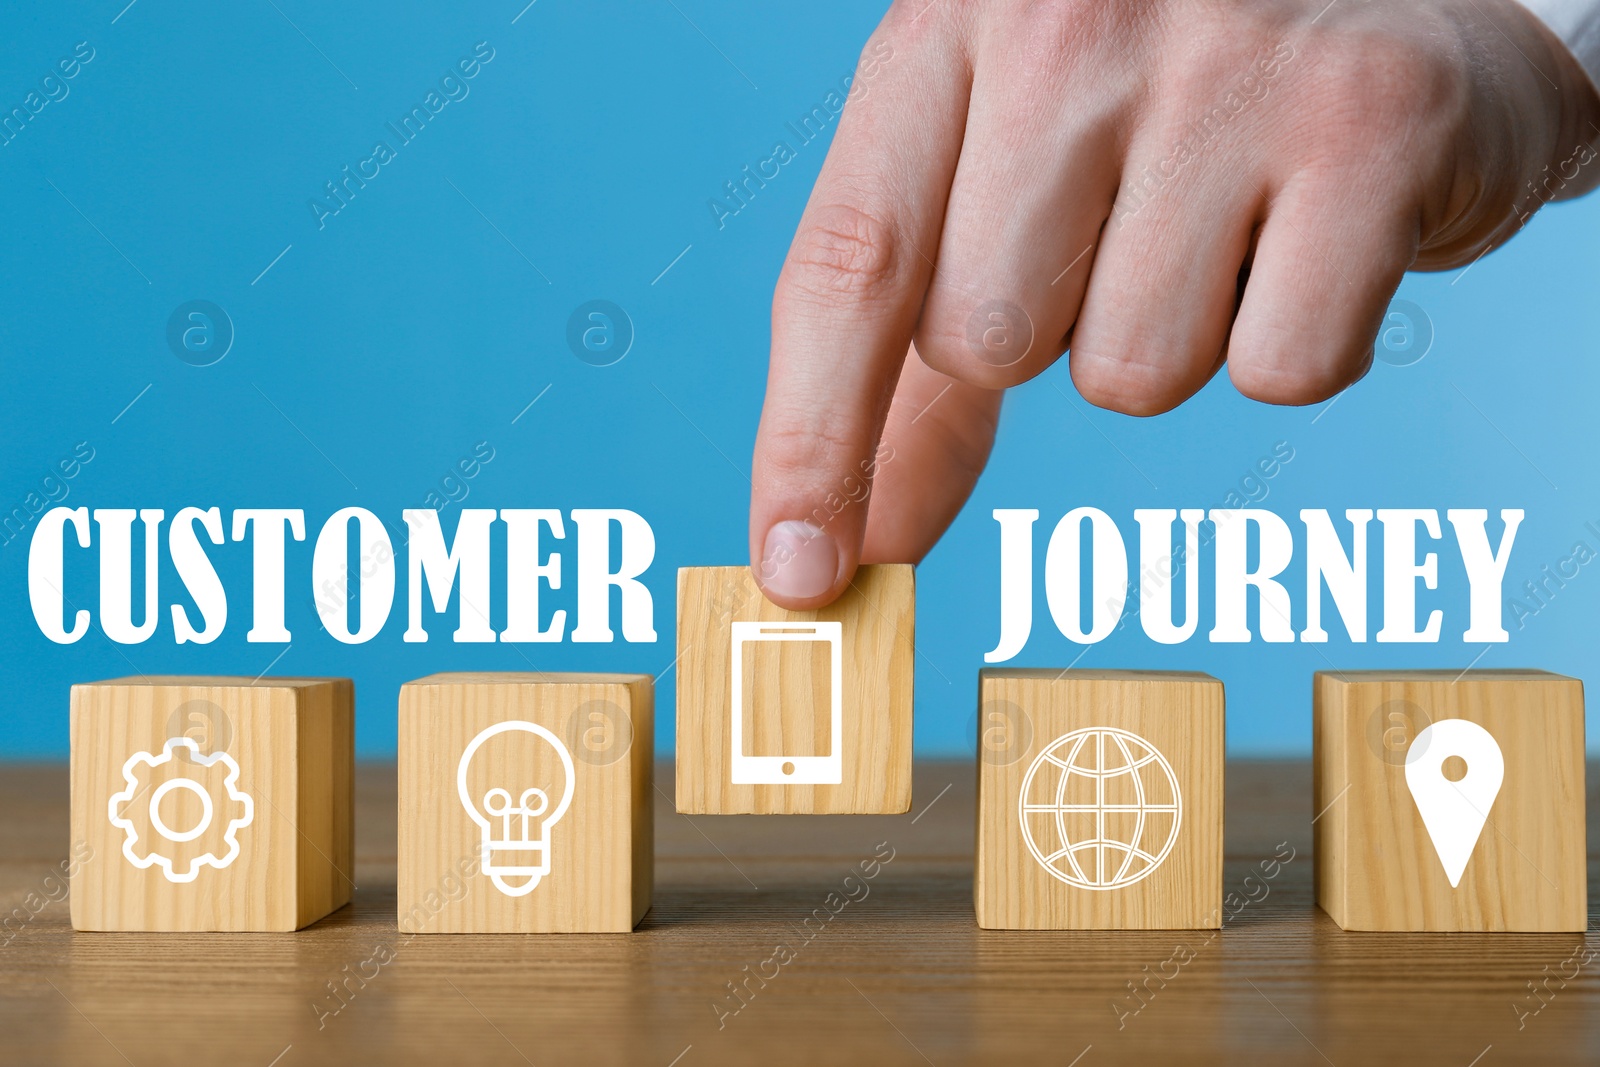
(846, 305)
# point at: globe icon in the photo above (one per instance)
(1100, 808)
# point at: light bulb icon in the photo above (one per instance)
(514, 841)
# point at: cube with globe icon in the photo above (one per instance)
(212, 803)
(526, 803)
(1099, 800)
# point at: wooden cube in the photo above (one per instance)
(526, 803)
(788, 712)
(1099, 800)
(212, 803)
(1492, 800)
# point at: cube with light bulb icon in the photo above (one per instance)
(525, 803)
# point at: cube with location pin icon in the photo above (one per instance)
(1449, 800)
(526, 803)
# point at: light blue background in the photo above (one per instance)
(409, 329)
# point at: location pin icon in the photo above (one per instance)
(1454, 812)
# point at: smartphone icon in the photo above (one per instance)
(795, 745)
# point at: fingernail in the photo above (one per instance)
(799, 560)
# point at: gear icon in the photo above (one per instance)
(213, 779)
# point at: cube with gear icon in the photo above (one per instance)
(212, 803)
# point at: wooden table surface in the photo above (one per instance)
(900, 975)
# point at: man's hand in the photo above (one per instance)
(1160, 187)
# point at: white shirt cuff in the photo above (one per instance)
(1577, 23)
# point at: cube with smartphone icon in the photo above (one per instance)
(774, 749)
(794, 712)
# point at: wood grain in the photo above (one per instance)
(901, 976)
(786, 696)
(1377, 868)
(1030, 722)
(293, 741)
(601, 850)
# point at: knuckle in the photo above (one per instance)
(1275, 382)
(878, 51)
(946, 345)
(942, 347)
(995, 342)
(1126, 385)
(794, 453)
(918, 19)
(1224, 55)
(1062, 44)
(843, 251)
(1049, 39)
(1378, 89)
